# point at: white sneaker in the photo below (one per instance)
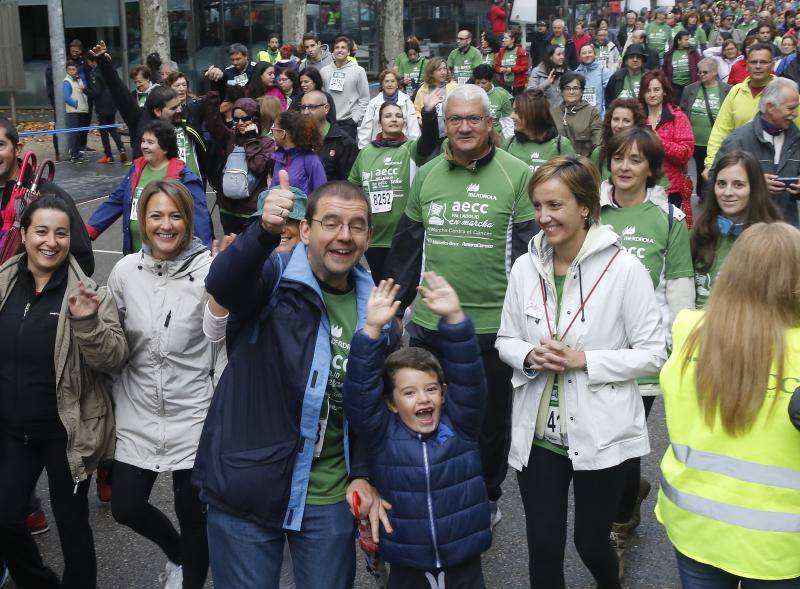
(172, 577)
(4, 574)
(495, 514)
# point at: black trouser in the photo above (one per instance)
(233, 223)
(700, 153)
(467, 575)
(73, 120)
(86, 121)
(21, 463)
(544, 486)
(106, 119)
(630, 493)
(495, 437)
(130, 506)
(677, 94)
(376, 257)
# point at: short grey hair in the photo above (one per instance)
(559, 21)
(709, 63)
(773, 93)
(170, 66)
(238, 48)
(468, 93)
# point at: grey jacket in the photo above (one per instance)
(87, 350)
(692, 90)
(538, 78)
(163, 393)
(750, 138)
(352, 98)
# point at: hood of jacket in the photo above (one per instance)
(347, 65)
(598, 238)
(186, 262)
(575, 108)
(324, 54)
(657, 195)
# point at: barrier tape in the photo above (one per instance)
(72, 130)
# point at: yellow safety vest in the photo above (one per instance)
(731, 502)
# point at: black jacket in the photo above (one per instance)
(338, 153)
(537, 48)
(97, 90)
(616, 84)
(570, 55)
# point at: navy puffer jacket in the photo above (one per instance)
(440, 510)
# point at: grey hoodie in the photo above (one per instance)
(325, 58)
(349, 88)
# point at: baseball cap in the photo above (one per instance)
(636, 49)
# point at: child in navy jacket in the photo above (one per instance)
(423, 431)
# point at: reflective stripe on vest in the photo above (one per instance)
(754, 519)
(751, 472)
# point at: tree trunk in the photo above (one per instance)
(294, 21)
(391, 40)
(155, 28)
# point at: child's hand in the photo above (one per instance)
(381, 307)
(440, 298)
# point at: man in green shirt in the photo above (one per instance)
(748, 23)
(464, 58)
(469, 210)
(659, 33)
(499, 98)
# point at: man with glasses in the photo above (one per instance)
(339, 150)
(469, 210)
(276, 461)
(701, 102)
(741, 103)
(464, 58)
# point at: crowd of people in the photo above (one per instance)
(396, 309)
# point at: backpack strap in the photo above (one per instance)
(558, 144)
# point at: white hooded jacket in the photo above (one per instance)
(619, 329)
(162, 395)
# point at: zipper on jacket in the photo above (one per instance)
(430, 501)
(169, 316)
(19, 340)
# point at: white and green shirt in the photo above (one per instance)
(462, 64)
(535, 154)
(468, 215)
(703, 282)
(500, 106)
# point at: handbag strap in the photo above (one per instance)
(710, 114)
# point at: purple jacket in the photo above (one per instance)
(305, 169)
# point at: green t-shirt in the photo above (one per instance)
(644, 233)
(549, 434)
(500, 105)
(327, 483)
(605, 173)
(385, 174)
(601, 53)
(701, 123)
(148, 175)
(704, 282)
(462, 64)
(630, 86)
(535, 154)
(680, 67)
(698, 38)
(186, 150)
(509, 60)
(467, 215)
(658, 37)
(489, 58)
(746, 28)
(411, 71)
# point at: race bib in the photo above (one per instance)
(552, 430)
(381, 201)
(462, 80)
(135, 203)
(241, 80)
(590, 96)
(337, 82)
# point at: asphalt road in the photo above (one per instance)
(128, 561)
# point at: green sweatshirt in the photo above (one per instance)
(535, 154)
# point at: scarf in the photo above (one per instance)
(768, 127)
(728, 227)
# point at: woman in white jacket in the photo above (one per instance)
(580, 324)
(163, 393)
(390, 92)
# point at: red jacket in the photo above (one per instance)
(580, 41)
(677, 139)
(497, 17)
(738, 72)
(520, 69)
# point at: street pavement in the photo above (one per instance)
(128, 561)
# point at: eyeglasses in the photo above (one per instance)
(310, 106)
(570, 89)
(242, 119)
(334, 226)
(472, 120)
(274, 128)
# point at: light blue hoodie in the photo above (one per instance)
(597, 78)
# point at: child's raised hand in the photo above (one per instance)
(381, 307)
(440, 298)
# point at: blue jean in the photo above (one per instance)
(245, 555)
(696, 575)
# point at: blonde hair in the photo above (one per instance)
(269, 109)
(182, 198)
(433, 65)
(755, 298)
(580, 177)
